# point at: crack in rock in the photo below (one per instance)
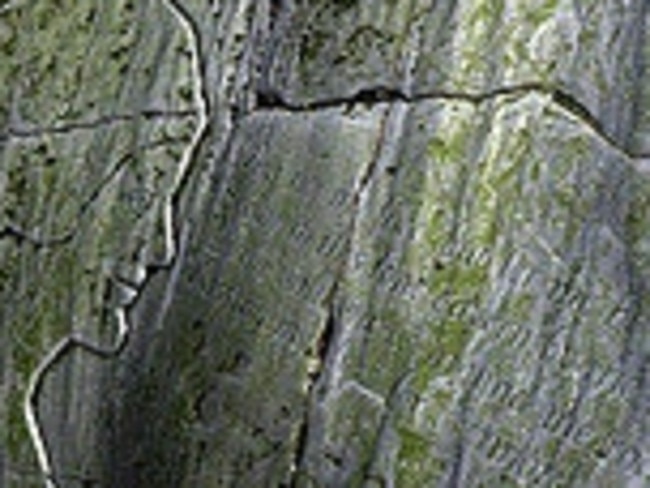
(267, 100)
(332, 340)
(60, 350)
(273, 99)
(21, 236)
(102, 121)
(323, 348)
(12, 231)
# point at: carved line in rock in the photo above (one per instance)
(12, 231)
(201, 101)
(274, 100)
(20, 235)
(103, 121)
(172, 233)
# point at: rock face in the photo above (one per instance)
(410, 249)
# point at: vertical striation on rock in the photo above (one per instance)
(412, 248)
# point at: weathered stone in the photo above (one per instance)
(409, 250)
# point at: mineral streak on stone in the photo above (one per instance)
(412, 249)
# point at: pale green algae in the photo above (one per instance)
(494, 283)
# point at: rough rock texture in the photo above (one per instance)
(412, 248)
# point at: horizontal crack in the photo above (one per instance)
(274, 100)
(11, 231)
(383, 94)
(23, 133)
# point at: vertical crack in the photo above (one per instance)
(342, 336)
(324, 372)
(324, 347)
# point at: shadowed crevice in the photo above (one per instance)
(271, 99)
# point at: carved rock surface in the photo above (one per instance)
(410, 249)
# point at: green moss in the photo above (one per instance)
(414, 447)
(312, 43)
(465, 279)
(452, 337)
(636, 219)
(16, 435)
(413, 472)
(540, 14)
(487, 12)
(449, 150)
(517, 307)
(362, 41)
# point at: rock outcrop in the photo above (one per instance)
(324, 243)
